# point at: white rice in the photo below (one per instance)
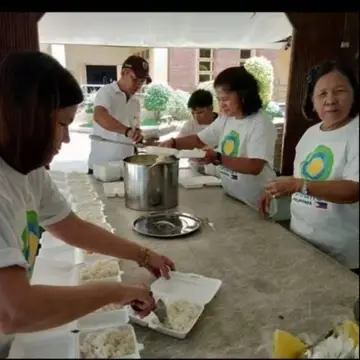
(101, 269)
(109, 344)
(110, 307)
(181, 315)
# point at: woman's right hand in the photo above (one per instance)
(264, 203)
(140, 297)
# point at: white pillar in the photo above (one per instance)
(58, 52)
(159, 65)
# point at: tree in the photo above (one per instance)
(156, 98)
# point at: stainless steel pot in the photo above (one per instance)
(152, 189)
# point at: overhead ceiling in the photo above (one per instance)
(199, 30)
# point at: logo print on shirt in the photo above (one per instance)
(30, 239)
(231, 144)
(318, 164)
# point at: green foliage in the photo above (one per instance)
(177, 105)
(273, 109)
(262, 69)
(157, 97)
(89, 102)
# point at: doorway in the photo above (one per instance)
(100, 75)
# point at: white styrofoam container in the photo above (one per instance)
(48, 241)
(116, 278)
(44, 345)
(194, 288)
(138, 347)
(113, 189)
(107, 172)
(191, 154)
(62, 343)
(196, 182)
(52, 272)
(63, 253)
(83, 257)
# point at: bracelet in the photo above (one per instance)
(127, 131)
(144, 257)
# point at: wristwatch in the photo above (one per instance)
(218, 159)
(304, 188)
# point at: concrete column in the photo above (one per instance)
(59, 53)
(159, 65)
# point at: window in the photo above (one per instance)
(205, 65)
(246, 54)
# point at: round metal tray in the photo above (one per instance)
(166, 224)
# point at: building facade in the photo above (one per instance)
(181, 68)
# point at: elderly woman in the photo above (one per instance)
(38, 101)
(244, 135)
(325, 184)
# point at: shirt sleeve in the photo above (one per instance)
(102, 99)
(351, 170)
(10, 254)
(53, 206)
(211, 134)
(262, 141)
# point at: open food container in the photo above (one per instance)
(96, 271)
(191, 290)
(84, 256)
(66, 344)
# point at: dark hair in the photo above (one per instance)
(200, 99)
(32, 86)
(313, 77)
(238, 79)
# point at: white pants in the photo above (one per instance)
(103, 151)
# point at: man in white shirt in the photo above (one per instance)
(117, 114)
(201, 105)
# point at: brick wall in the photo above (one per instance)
(224, 59)
(182, 68)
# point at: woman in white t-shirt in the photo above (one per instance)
(38, 101)
(244, 135)
(325, 184)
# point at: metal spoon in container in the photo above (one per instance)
(159, 160)
(160, 311)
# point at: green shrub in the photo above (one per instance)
(156, 98)
(262, 69)
(177, 105)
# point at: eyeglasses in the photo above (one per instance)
(137, 80)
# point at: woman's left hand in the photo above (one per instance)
(282, 186)
(159, 265)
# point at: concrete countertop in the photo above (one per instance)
(271, 279)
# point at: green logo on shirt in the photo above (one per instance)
(231, 144)
(318, 164)
(30, 239)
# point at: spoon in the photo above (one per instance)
(159, 160)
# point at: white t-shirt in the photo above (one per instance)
(191, 127)
(126, 111)
(26, 202)
(328, 155)
(251, 137)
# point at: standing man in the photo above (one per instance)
(117, 113)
